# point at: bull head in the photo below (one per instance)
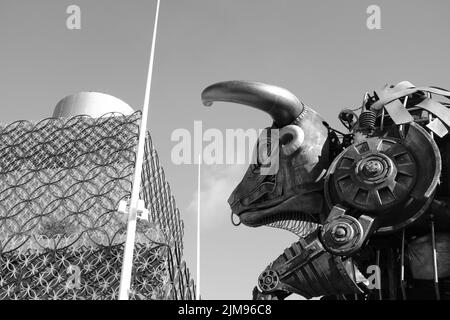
(294, 192)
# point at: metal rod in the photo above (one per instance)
(354, 276)
(435, 266)
(365, 99)
(382, 119)
(378, 258)
(402, 127)
(127, 263)
(430, 119)
(402, 266)
(430, 116)
(197, 294)
(391, 273)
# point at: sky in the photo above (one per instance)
(320, 50)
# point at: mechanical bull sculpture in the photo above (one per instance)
(371, 207)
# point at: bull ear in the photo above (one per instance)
(283, 106)
(291, 138)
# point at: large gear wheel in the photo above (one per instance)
(391, 177)
(374, 175)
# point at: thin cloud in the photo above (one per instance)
(217, 183)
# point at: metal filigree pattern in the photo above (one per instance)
(83, 273)
(61, 236)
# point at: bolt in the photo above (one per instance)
(339, 233)
(373, 167)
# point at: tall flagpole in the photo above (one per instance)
(127, 263)
(197, 291)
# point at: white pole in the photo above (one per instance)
(197, 293)
(127, 263)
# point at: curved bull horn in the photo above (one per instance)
(281, 104)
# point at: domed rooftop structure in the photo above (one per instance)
(94, 104)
